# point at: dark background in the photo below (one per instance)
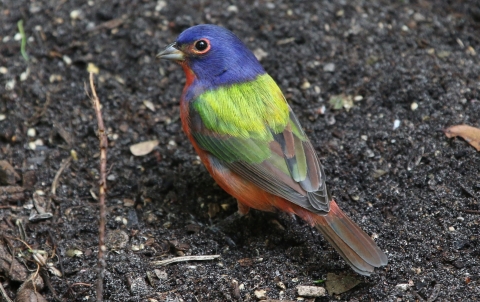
(409, 187)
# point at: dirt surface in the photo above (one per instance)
(409, 186)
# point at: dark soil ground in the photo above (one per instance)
(411, 187)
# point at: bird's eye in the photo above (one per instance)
(201, 46)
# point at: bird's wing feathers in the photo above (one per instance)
(270, 150)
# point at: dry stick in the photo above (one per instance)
(185, 258)
(4, 294)
(63, 166)
(102, 136)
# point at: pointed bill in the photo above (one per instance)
(171, 53)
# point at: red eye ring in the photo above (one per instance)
(201, 46)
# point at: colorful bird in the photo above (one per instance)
(251, 142)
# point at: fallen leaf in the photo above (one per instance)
(337, 284)
(143, 148)
(468, 133)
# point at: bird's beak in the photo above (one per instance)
(171, 53)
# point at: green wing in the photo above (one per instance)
(250, 129)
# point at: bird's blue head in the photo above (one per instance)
(215, 56)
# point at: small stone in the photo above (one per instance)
(364, 137)
(31, 132)
(160, 5)
(139, 286)
(405, 28)
(451, 229)
(39, 142)
(149, 105)
(471, 51)
(396, 124)
(3, 70)
(232, 9)
(329, 67)
(311, 291)
(419, 17)
(24, 75)
(34, 8)
(32, 146)
(2, 117)
(260, 54)
(358, 98)
(17, 37)
(402, 286)
(162, 275)
(305, 85)
(261, 294)
(9, 85)
(55, 78)
(67, 60)
(460, 218)
(281, 285)
(76, 14)
(414, 106)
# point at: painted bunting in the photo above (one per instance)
(251, 142)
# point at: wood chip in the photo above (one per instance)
(143, 148)
(468, 133)
(185, 258)
(8, 175)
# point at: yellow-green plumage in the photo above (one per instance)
(247, 110)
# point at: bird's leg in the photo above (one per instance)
(222, 225)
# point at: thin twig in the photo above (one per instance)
(471, 211)
(102, 136)
(4, 294)
(59, 172)
(185, 258)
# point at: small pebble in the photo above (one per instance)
(305, 85)
(3, 70)
(329, 67)
(261, 294)
(404, 28)
(67, 60)
(9, 85)
(358, 98)
(260, 54)
(311, 291)
(460, 218)
(31, 132)
(233, 9)
(396, 124)
(414, 106)
(451, 229)
(402, 286)
(364, 137)
(17, 37)
(24, 75)
(75, 14)
(149, 105)
(419, 17)
(2, 117)
(160, 5)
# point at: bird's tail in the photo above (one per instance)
(351, 242)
